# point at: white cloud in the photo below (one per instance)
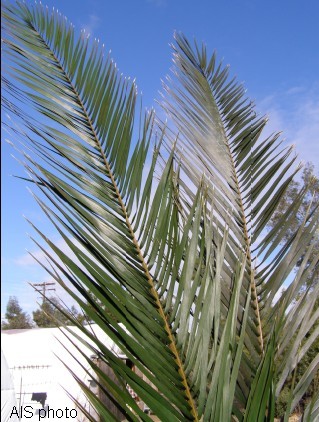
(92, 24)
(295, 112)
(305, 130)
(295, 90)
(27, 259)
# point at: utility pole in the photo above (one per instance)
(44, 288)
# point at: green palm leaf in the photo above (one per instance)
(167, 256)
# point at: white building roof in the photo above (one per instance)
(33, 360)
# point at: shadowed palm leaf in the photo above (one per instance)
(171, 258)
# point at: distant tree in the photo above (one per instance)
(310, 182)
(50, 314)
(78, 315)
(93, 299)
(15, 317)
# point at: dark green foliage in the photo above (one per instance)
(51, 313)
(15, 317)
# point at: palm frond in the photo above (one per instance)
(246, 179)
(166, 251)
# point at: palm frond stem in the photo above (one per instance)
(254, 296)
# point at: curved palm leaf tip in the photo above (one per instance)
(168, 267)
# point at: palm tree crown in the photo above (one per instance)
(170, 256)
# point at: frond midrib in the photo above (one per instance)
(247, 239)
(253, 287)
(192, 70)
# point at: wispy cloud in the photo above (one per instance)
(39, 256)
(295, 90)
(92, 24)
(305, 130)
(28, 259)
(296, 113)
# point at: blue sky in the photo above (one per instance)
(273, 47)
